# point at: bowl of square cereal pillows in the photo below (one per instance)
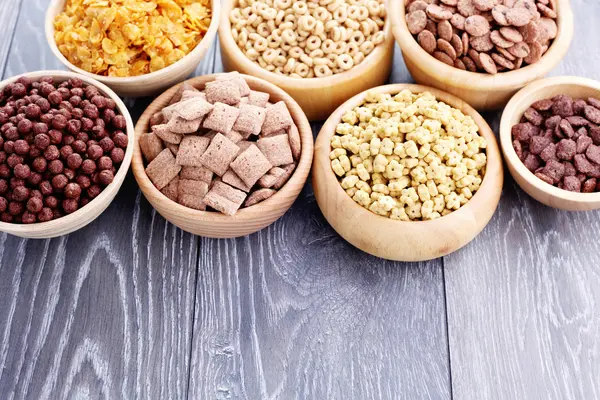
(407, 172)
(321, 52)
(222, 155)
(137, 48)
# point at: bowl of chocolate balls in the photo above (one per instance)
(65, 148)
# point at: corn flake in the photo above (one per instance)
(129, 37)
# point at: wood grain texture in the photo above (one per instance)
(316, 320)
(9, 11)
(105, 312)
(295, 312)
(524, 297)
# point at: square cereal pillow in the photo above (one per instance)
(191, 194)
(196, 174)
(219, 154)
(151, 146)
(221, 118)
(227, 92)
(236, 78)
(259, 99)
(278, 118)
(251, 165)
(191, 149)
(163, 132)
(250, 120)
(224, 198)
(277, 149)
(163, 169)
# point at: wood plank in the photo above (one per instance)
(295, 312)
(105, 312)
(9, 12)
(523, 298)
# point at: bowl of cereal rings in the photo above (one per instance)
(136, 48)
(320, 52)
(407, 172)
(479, 50)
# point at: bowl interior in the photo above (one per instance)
(254, 69)
(110, 190)
(56, 7)
(546, 88)
(482, 81)
(298, 178)
(493, 152)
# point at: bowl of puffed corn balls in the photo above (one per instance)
(321, 52)
(407, 172)
(137, 48)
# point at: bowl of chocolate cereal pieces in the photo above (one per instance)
(482, 51)
(321, 52)
(407, 172)
(66, 142)
(550, 136)
(222, 155)
(137, 48)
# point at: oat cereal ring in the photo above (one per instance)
(289, 65)
(358, 58)
(301, 69)
(353, 49)
(352, 24)
(263, 30)
(321, 14)
(320, 61)
(282, 4)
(288, 36)
(340, 47)
(295, 52)
(306, 60)
(340, 15)
(299, 7)
(261, 44)
(367, 47)
(270, 55)
(357, 37)
(235, 16)
(322, 70)
(313, 42)
(344, 61)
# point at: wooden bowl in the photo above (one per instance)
(532, 185)
(399, 240)
(88, 213)
(246, 220)
(482, 91)
(318, 97)
(143, 85)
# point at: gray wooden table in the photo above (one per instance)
(131, 307)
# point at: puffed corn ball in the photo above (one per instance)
(308, 39)
(129, 37)
(408, 157)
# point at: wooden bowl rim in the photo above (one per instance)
(229, 45)
(517, 105)
(478, 80)
(493, 166)
(198, 51)
(57, 224)
(298, 177)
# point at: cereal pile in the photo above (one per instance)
(558, 140)
(408, 157)
(484, 35)
(129, 37)
(307, 39)
(221, 148)
(62, 144)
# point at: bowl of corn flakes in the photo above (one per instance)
(137, 48)
(407, 172)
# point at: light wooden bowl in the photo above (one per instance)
(143, 85)
(399, 240)
(88, 213)
(246, 220)
(318, 97)
(535, 187)
(482, 91)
